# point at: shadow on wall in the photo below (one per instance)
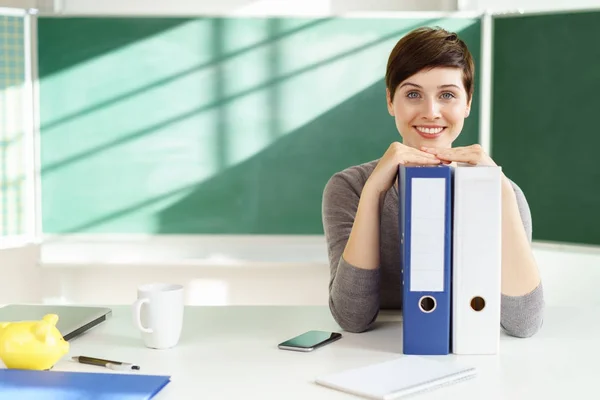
(245, 144)
(70, 47)
(280, 188)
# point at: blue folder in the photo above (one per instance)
(425, 227)
(46, 385)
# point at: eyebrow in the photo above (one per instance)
(449, 85)
(421, 87)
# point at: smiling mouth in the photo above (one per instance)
(430, 132)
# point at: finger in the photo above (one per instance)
(419, 159)
(423, 153)
(435, 150)
(430, 150)
(459, 156)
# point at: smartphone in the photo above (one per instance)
(310, 340)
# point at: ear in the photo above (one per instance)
(390, 106)
(468, 109)
(42, 328)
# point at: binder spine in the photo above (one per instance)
(425, 240)
(476, 270)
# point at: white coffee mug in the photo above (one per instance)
(158, 314)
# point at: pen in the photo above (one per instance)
(116, 365)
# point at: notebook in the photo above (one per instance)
(72, 320)
(397, 378)
(46, 385)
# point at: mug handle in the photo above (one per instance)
(137, 319)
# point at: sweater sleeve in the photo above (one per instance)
(522, 316)
(353, 291)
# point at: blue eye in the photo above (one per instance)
(447, 96)
(410, 95)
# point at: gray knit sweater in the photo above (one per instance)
(356, 295)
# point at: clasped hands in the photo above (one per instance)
(384, 174)
(473, 154)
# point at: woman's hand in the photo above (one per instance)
(383, 176)
(473, 154)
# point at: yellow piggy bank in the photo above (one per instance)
(32, 344)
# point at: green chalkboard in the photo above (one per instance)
(211, 125)
(545, 103)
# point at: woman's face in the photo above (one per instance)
(430, 107)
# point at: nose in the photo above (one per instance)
(431, 109)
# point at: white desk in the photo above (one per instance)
(231, 353)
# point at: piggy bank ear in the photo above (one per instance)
(50, 319)
(43, 327)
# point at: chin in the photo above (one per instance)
(433, 142)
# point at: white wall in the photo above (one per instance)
(527, 5)
(45, 5)
(261, 7)
(228, 7)
(20, 277)
(17, 3)
(22, 280)
(570, 277)
(290, 7)
(301, 285)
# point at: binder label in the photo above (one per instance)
(427, 234)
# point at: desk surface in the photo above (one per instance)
(231, 352)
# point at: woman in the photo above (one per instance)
(429, 80)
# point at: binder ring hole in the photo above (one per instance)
(427, 304)
(477, 303)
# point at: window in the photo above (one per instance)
(15, 147)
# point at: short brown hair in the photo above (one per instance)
(426, 48)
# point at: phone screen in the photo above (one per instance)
(311, 340)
